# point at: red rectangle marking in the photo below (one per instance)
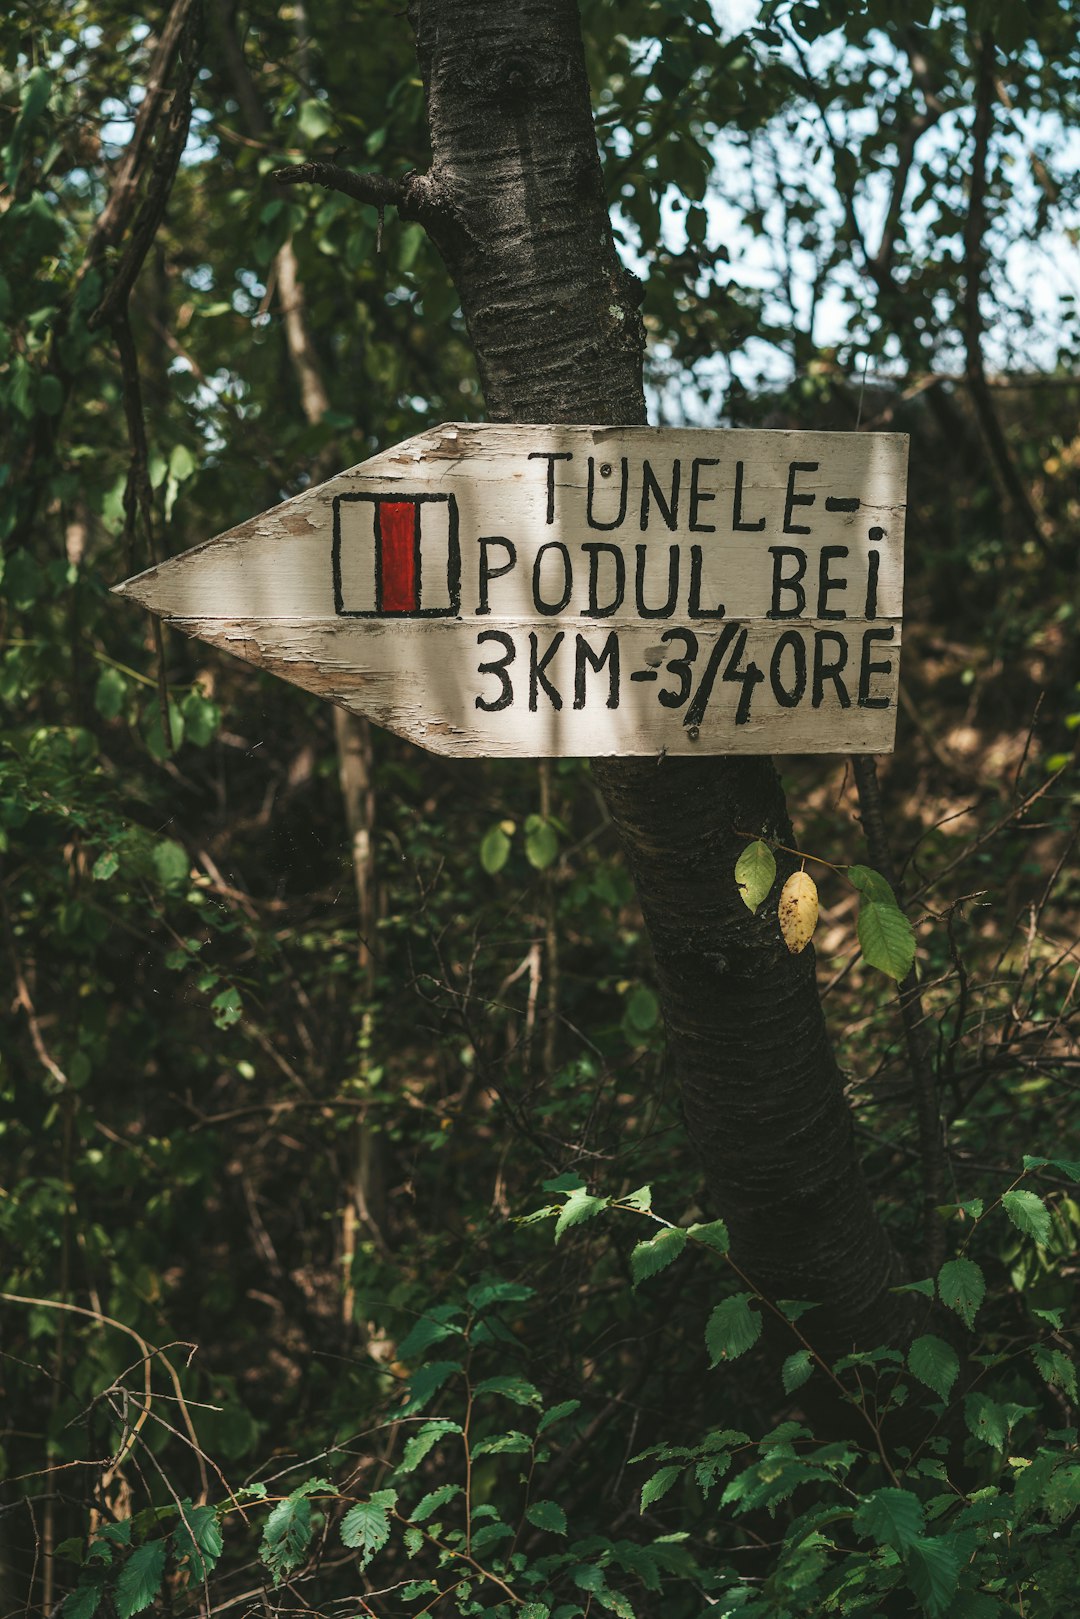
(398, 592)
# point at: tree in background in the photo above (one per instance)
(160, 856)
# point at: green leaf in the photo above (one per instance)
(511, 1443)
(962, 1287)
(733, 1328)
(105, 866)
(796, 1370)
(1028, 1214)
(935, 1363)
(658, 1485)
(84, 1601)
(933, 1573)
(1056, 1368)
(421, 1443)
(886, 938)
(755, 873)
(288, 1530)
(986, 1420)
(197, 1539)
(171, 863)
(653, 1256)
(366, 1527)
(110, 693)
(511, 1388)
(891, 1518)
(227, 1008)
(140, 1579)
(714, 1234)
(579, 1206)
(872, 884)
(427, 1382)
(541, 842)
(641, 1199)
(314, 120)
(642, 1010)
(534, 1610)
(1069, 1167)
(181, 463)
(439, 1323)
(556, 1414)
(433, 1501)
(494, 850)
(548, 1515)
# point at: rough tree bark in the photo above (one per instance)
(514, 201)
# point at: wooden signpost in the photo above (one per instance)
(546, 591)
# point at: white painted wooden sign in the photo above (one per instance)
(546, 591)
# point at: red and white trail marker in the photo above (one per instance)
(569, 590)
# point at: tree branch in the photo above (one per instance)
(377, 189)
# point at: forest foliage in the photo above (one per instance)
(365, 1268)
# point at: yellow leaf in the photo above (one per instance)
(798, 911)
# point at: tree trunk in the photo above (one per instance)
(514, 200)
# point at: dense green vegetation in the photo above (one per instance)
(332, 1281)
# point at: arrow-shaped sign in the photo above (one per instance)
(546, 591)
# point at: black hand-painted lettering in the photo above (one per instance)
(698, 497)
(827, 584)
(487, 572)
(590, 494)
(792, 695)
(749, 677)
(679, 667)
(593, 549)
(842, 503)
(673, 583)
(551, 456)
(866, 668)
(546, 607)
(794, 499)
(824, 671)
(609, 654)
(873, 564)
(668, 507)
(789, 582)
(700, 701)
(537, 666)
(737, 517)
(498, 666)
(694, 607)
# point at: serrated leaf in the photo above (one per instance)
(891, 1518)
(534, 1610)
(797, 912)
(796, 1370)
(733, 1328)
(933, 1573)
(421, 1443)
(714, 1234)
(518, 1389)
(198, 1539)
(288, 1530)
(872, 884)
(962, 1286)
(641, 1199)
(548, 1515)
(556, 1414)
(105, 866)
(935, 1363)
(494, 851)
(579, 1206)
(511, 1443)
(1028, 1214)
(658, 1486)
(1056, 1368)
(365, 1528)
(986, 1420)
(431, 1328)
(433, 1501)
(651, 1257)
(1069, 1167)
(886, 938)
(427, 1382)
(140, 1579)
(84, 1601)
(755, 873)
